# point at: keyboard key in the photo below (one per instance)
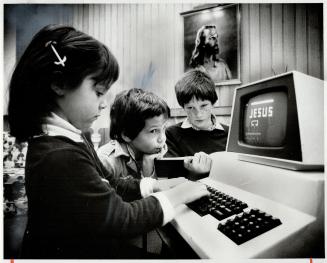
(248, 225)
(217, 204)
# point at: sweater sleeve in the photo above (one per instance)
(172, 142)
(75, 191)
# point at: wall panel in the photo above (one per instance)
(265, 40)
(147, 40)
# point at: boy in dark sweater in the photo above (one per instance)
(200, 131)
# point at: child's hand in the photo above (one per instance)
(148, 161)
(165, 184)
(186, 192)
(200, 163)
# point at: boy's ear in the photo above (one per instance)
(125, 138)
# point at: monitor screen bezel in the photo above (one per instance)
(292, 147)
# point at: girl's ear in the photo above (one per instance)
(125, 138)
(57, 84)
(58, 89)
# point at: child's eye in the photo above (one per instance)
(204, 105)
(99, 94)
(189, 108)
(154, 131)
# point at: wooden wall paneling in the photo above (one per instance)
(65, 15)
(146, 43)
(78, 17)
(289, 36)
(168, 88)
(277, 38)
(133, 50)
(130, 45)
(139, 44)
(112, 20)
(265, 40)
(103, 29)
(271, 37)
(120, 48)
(97, 22)
(112, 13)
(107, 24)
(301, 52)
(225, 96)
(148, 73)
(172, 53)
(157, 52)
(90, 19)
(314, 43)
(162, 47)
(85, 13)
(178, 48)
(167, 82)
(172, 74)
(125, 46)
(158, 44)
(255, 52)
(245, 44)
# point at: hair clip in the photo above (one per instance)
(61, 60)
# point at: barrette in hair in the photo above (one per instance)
(61, 60)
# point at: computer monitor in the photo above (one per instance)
(279, 121)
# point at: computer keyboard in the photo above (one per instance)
(242, 227)
(218, 204)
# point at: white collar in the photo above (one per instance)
(186, 124)
(56, 126)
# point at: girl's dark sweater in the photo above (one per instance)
(72, 211)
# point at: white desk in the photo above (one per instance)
(296, 198)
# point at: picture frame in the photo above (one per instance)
(226, 19)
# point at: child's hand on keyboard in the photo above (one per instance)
(186, 192)
(200, 163)
(165, 184)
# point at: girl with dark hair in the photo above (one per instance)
(76, 209)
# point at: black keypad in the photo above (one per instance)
(248, 225)
(244, 226)
(217, 204)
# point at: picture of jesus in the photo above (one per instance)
(206, 54)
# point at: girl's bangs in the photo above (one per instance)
(108, 69)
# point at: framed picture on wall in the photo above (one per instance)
(212, 42)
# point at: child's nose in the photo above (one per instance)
(197, 111)
(162, 137)
(103, 104)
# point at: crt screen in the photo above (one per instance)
(265, 117)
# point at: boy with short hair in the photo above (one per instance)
(137, 129)
(200, 131)
(137, 132)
